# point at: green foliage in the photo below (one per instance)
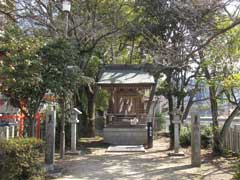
(232, 81)
(236, 175)
(160, 120)
(20, 159)
(185, 136)
(206, 136)
(100, 123)
(21, 70)
(93, 66)
(102, 100)
(61, 73)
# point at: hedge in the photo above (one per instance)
(20, 159)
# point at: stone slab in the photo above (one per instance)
(75, 153)
(126, 148)
(176, 154)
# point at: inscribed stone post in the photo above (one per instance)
(195, 141)
(50, 138)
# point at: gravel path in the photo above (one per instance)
(154, 164)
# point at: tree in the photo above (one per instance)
(174, 32)
(62, 76)
(20, 73)
(221, 72)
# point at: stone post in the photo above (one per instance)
(176, 123)
(13, 133)
(7, 132)
(74, 133)
(50, 139)
(195, 141)
(74, 120)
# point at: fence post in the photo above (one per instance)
(195, 141)
(13, 133)
(236, 137)
(7, 132)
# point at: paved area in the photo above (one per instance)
(155, 164)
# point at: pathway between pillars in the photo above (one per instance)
(155, 164)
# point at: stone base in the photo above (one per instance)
(176, 154)
(73, 153)
(49, 167)
(125, 136)
(136, 148)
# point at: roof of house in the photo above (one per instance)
(122, 74)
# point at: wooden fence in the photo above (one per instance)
(231, 141)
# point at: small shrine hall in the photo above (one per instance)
(129, 87)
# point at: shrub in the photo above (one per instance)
(160, 120)
(206, 136)
(20, 159)
(185, 136)
(236, 175)
(100, 123)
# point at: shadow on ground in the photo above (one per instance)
(152, 165)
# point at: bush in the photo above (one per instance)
(160, 120)
(19, 159)
(236, 175)
(185, 136)
(100, 123)
(206, 136)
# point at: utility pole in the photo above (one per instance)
(66, 7)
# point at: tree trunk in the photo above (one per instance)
(228, 122)
(91, 98)
(30, 127)
(152, 93)
(187, 109)
(217, 144)
(171, 117)
(91, 115)
(62, 129)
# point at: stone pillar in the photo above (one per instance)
(73, 136)
(50, 139)
(196, 141)
(74, 120)
(7, 132)
(13, 133)
(176, 123)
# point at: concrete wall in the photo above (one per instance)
(125, 136)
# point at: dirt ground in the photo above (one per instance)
(155, 164)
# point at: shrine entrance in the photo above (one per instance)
(129, 87)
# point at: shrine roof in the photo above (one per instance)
(125, 76)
